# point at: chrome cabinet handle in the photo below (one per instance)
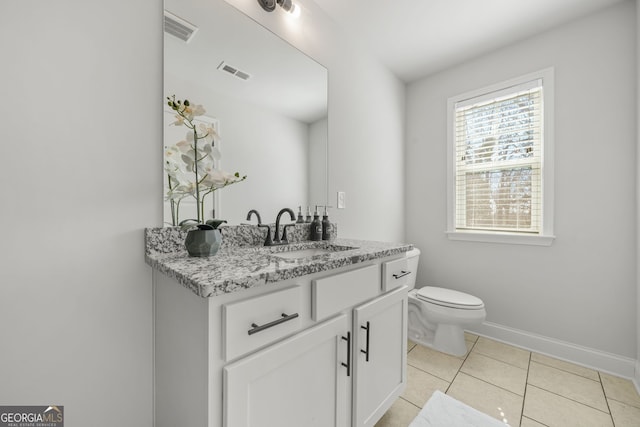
(348, 364)
(402, 274)
(285, 318)
(366, 350)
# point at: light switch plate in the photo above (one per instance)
(341, 197)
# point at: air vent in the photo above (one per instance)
(178, 27)
(234, 71)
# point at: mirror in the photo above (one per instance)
(272, 124)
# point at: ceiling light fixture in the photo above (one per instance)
(287, 5)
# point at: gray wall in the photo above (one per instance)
(637, 373)
(582, 289)
(81, 109)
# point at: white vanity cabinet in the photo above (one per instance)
(325, 349)
(380, 356)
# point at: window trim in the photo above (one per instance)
(546, 236)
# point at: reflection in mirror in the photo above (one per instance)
(268, 101)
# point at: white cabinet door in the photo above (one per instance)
(380, 355)
(298, 382)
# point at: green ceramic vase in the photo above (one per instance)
(203, 242)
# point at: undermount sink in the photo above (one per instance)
(308, 252)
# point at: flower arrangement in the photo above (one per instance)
(190, 164)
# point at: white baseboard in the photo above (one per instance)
(620, 366)
(636, 379)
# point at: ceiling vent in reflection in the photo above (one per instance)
(234, 71)
(178, 27)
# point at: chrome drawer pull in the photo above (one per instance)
(285, 317)
(402, 274)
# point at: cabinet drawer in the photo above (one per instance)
(258, 321)
(334, 293)
(395, 274)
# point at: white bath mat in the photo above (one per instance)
(445, 411)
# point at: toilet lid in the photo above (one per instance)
(449, 298)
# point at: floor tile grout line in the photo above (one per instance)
(533, 419)
(622, 402)
(458, 371)
(435, 375)
(569, 372)
(627, 403)
(500, 360)
(492, 384)
(473, 348)
(604, 393)
(489, 382)
(477, 351)
(430, 373)
(574, 400)
(530, 359)
(410, 403)
(568, 398)
(526, 382)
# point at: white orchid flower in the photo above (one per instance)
(172, 154)
(183, 159)
(207, 133)
(189, 162)
(218, 178)
(193, 111)
(190, 137)
(204, 165)
(186, 189)
(184, 146)
(210, 150)
(197, 110)
(173, 161)
(184, 177)
(175, 196)
(171, 169)
(179, 120)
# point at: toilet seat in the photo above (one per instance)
(449, 298)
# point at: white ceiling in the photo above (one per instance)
(415, 38)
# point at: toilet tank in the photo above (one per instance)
(413, 258)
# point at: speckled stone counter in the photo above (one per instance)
(239, 266)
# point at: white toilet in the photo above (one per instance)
(438, 316)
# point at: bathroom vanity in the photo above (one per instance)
(306, 334)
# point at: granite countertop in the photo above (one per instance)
(235, 268)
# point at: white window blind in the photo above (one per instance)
(498, 139)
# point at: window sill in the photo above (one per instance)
(505, 238)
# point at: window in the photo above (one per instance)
(500, 183)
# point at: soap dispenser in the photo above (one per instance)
(316, 226)
(308, 215)
(326, 225)
(300, 218)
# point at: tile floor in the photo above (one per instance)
(516, 386)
